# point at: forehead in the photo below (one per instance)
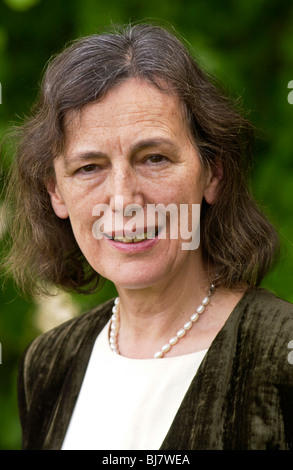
(133, 106)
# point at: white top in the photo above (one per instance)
(128, 404)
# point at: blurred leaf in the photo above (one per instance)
(21, 5)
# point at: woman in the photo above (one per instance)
(194, 354)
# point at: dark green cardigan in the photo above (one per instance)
(240, 398)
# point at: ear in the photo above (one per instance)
(57, 200)
(215, 175)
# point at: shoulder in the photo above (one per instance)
(53, 363)
(261, 316)
(265, 332)
(58, 347)
(267, 311)
(264, 298)
(75, 329)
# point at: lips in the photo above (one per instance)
(133, 237)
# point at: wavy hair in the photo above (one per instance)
(237, 240)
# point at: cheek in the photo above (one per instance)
(80, 215)
(191, 181)
(79, 198)
(186, 187)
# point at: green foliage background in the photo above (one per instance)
(247, 44)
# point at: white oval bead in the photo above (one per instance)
(114, 309)
(173, 340)
(112, 340)
(200, 309)
(166, 347)
(114, 317)
(158, 355)
(116, 301)
(205, 300)
(188, 325)
(194, 317)
(181, 333)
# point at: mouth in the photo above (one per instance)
(135, 237)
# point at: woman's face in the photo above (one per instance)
(133, 144)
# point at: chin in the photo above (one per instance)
(135, 280)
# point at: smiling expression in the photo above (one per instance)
(133, 144)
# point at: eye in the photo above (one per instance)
(156, 159)
(88, 169)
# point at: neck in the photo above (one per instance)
(149, 317)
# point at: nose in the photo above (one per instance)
(125, 188)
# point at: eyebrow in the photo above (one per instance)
(138, 146)
(83, 156)
(147, 143)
